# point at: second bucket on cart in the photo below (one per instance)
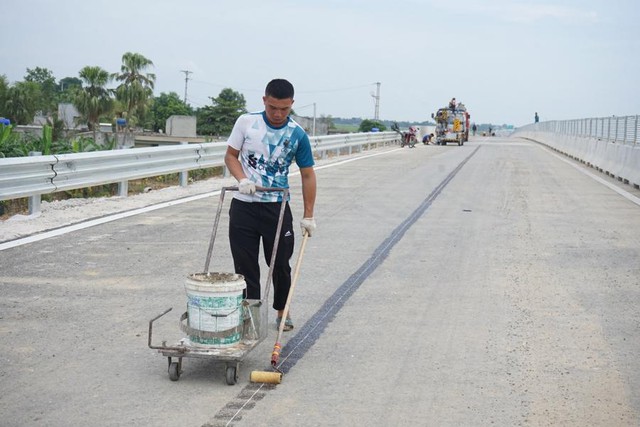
(214, 306)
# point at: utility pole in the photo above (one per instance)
(186, 80)
(314, 120)
(376, 114)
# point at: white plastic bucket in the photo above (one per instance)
(214, 304)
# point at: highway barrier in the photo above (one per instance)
(36, 175)
(608, 144)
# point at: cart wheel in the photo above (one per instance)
(174, 371)
(232, 375)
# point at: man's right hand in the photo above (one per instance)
(246, 186)
(308, 226)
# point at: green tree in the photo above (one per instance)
(9, 142)
(366, 125)
(4, 93)
(165, 106)
(328, 120)
(43, 77)
(94, 99)
(136, 87)
(67, 88)
(218, 119)
(22, 102)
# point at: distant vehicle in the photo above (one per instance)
(452, 125)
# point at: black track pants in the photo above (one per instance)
(250, 222)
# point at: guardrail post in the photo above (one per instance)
(123, 188)
(602, 129)
(35, 200)
(184, 175)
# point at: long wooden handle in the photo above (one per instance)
(276, 351)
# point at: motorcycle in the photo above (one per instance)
(406, 138)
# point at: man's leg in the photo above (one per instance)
(244, 240)
(281, 268)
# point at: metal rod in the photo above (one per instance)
(276, 241)
(215, 227)
(151, 325)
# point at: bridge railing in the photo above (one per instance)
(608, 144)
(623, 130)
(36, 175)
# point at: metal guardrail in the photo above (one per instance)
(33, 176)
(608, 144)
(623, 130)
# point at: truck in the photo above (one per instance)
(452, 125)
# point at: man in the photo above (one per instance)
(260, 150)
(536, 119)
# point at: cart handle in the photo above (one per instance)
(285, 193)
(163, 346)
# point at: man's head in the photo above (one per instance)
(279, 89)
(278, 99)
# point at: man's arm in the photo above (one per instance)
(308, 177)
(233, 163)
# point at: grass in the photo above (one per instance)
(343, 128)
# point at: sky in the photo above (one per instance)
(504, 59)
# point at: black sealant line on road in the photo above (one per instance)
(310, 332)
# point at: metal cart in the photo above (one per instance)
(254, 319)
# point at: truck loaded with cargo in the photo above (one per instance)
(452, 124)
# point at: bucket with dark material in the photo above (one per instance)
(214, 308)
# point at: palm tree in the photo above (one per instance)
(94, 99)
(136, 87)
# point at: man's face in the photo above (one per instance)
(277, 110)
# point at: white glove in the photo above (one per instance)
(246, 186)
(308, 225)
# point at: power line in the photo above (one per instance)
(337, 89)
(297, 92)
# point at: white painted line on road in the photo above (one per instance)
(93, 222)
(109, 218)
(342, 162)
(615, 188)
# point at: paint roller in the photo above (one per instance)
(275, 377)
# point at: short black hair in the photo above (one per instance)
(279, 89)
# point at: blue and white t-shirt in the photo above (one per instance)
(267, 152)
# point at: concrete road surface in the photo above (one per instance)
(491, 284)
